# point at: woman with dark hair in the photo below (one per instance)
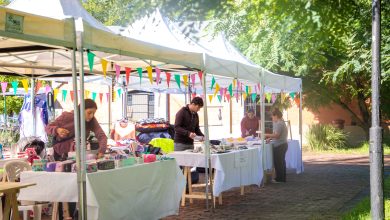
(62, 130)
(249, 124)
(279, 143)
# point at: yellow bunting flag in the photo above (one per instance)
(234, 83)
(87, 94)
(210, 98)
(244, 95)
(149, 69)
(55, 91)
(250, 90)
(185, 80)
(104, 66)
(25, 84)
(216, 89)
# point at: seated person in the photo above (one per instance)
(249, 124)
(123, 129)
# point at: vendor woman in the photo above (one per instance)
(62, 130)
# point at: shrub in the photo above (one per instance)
(325, 137)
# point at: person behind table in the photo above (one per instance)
(62, 130)
(249, 124)
(279, 143)
(187, 125)
(124, 130)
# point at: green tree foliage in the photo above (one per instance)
(327, 43)
(13, 103)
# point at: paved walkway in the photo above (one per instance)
(330, 185)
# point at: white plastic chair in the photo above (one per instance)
(11, 173)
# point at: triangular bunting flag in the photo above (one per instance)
(193, 95)
(4, 87)
(212, 83)
(254, 95)
(25, 85)
(47, 89)
(231, 90)
(168, 78)
(55, 94)
(244, 96)
(177, 78)
(273, 98)
(91, 57)
(38, 86)
(87, 92)
(158, 72)
(200, 74)
(193, 76)
(149, 69)
(71, 95)
(247, 90)
(234, 83)
(119, 92)
(108, 96)
(228, 97)
(93, 96)
(211, 98)
(185, 80)
(268, 96)
(297, 100)
(250, 89)
(101, 97)
(292, 95)
(64, 93)
(221, 92)
(104, 66)
(117, 71)
(139, 70)
(216, 89)
(219, 98)
(128, 70)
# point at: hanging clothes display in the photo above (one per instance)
(26, 117)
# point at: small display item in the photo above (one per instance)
(51, 166)
(106, 164)
(67, 165)
(59, 167)
(149, 158)
(39, 165)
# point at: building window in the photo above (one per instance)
(140, 105)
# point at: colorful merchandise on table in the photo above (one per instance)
(51, 166)
(106, 164)
(149, 158)
(39, 165)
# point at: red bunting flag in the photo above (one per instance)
(128, 70)
(168, 78)
(200, 74)
(72, 95)
(101, 97)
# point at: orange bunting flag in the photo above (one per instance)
(210, 98)
(101, 97)
(244, 95)
(185, 80)
(25, 84)
(168, 77)
(71, 95)
(128, 70)
(104, 66)
(149, 69)
(297, 101)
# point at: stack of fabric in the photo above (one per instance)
(147, 129)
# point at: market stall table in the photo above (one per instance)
(232, 169)
(144, 191)
(10, 190)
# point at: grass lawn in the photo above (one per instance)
(362, 210)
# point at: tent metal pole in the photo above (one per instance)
(300, 125)
(5, 110)
(206, 134)
(81, 171)
(33, 107)
(262, 116)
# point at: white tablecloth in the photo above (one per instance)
(293, 156)
(147, 191)
(233, 169)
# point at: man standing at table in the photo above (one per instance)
(187, 125)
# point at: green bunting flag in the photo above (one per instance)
(91, 57)
(15, 86)
(219, 98)
(139, 70)
(247, 90)
(254, 95)
(177, 78)
(93, 96)
(64, 93)
(119, 92)
(212, 83)
(292, 95)
(231, 90)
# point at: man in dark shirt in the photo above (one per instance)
(187, 125)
